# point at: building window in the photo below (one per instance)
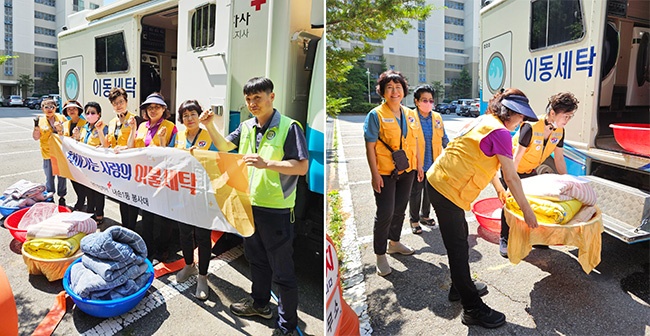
(93, 6)
(454, 21)
(110, 53)
(44, 31)
(43, 44)
(454, 5)
(455, 37)
(45, 60)
(46, 2)
(203, 25)
(566, 24)
(77, 5)
(455, 51)
(44, 16)
(454, 66)
(391, 50)
(391, 67)
(449, 80)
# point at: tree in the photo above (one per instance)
(50, 81)
(359, 21)
(439, 88)
(462, 87)
(26, 84)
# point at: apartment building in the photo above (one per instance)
(439, 48)
(30, 30)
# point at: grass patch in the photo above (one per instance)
(336, 221)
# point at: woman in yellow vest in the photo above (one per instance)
(71, 127)
(118, 136)
(155, 131)
(534, 143)
(193, 137)
(93, 133)
(44, 127)
(458, 176)
(388, 128)
(431, 144)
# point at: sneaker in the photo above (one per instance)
(400, 248)
(245, 308)
(480, 287)
(484, 316)
(503, 247)
(383, 268)
(61, 201)
(279, 332)
(186, 273)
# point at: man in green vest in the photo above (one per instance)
(276, 153)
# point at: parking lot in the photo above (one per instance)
(168, 308)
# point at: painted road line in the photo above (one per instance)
(21, 152)
(14, 125)
(22, 173)
(156, 299)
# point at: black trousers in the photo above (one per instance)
(391, 205)
(454, 231)
(419, 205)
(129, 215)
(191, 236)
(505, 229)
(96, 201)
(270, 254)
(81, 191)
(152, 224)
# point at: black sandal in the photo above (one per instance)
(99, 221)
(428, 221)
(416, 229)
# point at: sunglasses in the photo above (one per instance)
(49, 107)
(426, 101)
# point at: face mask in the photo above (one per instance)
(92, 118)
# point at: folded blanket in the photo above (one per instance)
(24, 189)
(584, 215)
(547, 211)
(116, 243)
(17, 203)
(108, 269)
(84, 281)
(130, 287)
(53, 248)
(63, 225)
(556, 187)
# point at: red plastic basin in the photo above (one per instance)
(487, 215)
(633, 137)
(12, 221)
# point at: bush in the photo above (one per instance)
(359, 108)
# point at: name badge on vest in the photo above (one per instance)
(388, 120)
(537, 142)
(201, 143)
(270, 135)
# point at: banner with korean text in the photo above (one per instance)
(204, 188)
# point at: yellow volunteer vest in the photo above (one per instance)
(91, 139)
(119, 136)
(463, 171)
(66, 126)
(536, 152)
(142, 133)
(390, 132)
(265, 185)
(438, 134)
(203, 140)
(46, 133)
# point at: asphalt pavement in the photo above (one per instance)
(168, 308)
(546, 294)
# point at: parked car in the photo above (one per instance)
(463, 107)
(446, 108)
(474, 108)
(15, 101)
(29, 102)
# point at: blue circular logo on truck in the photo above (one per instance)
(496, 72)
(72, 85)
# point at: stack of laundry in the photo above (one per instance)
(557, 199)
(58, 236)
(23, 194)
(566, 211)
(113, 265)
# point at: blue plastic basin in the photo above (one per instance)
(107, 308)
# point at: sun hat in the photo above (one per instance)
(71, 103)
(153, 98)
(520, 105)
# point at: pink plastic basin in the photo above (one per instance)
(633, 137)
(487, 215)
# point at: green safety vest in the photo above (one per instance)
(264, 184)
